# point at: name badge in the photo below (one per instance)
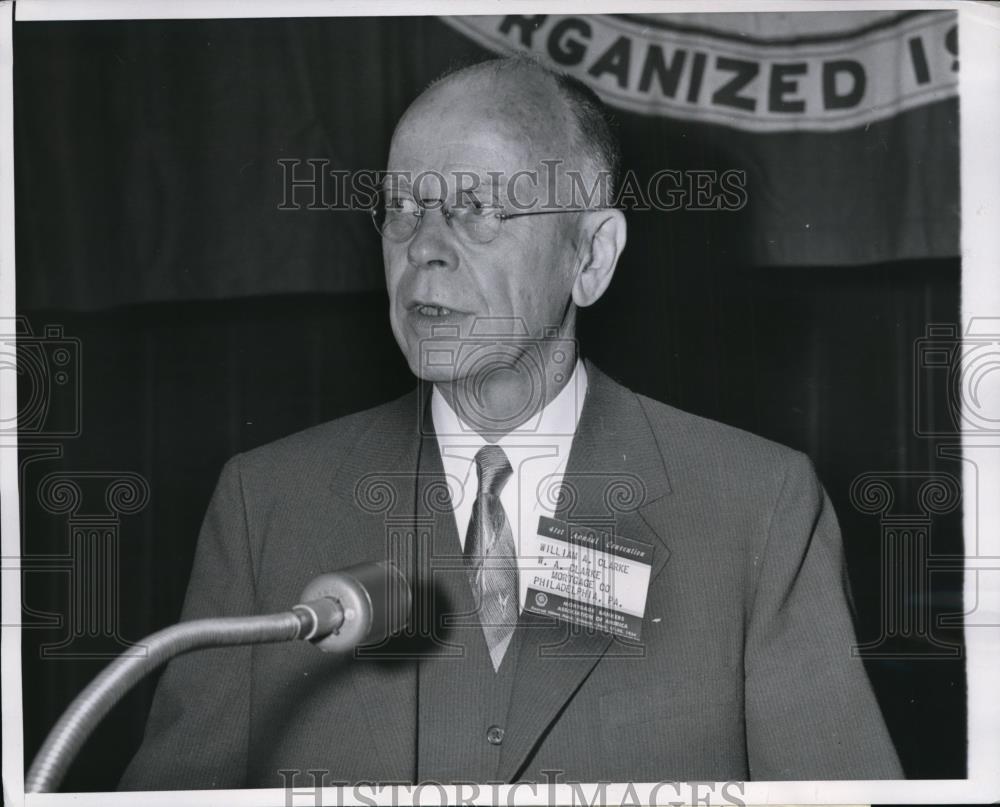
(590, 577)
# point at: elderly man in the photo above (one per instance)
(606, 587)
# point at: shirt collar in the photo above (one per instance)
(557, 422)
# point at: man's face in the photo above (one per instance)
(439, 280)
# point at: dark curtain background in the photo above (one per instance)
(152, 147)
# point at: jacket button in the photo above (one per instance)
(494, 735)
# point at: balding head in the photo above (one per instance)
(550, 115)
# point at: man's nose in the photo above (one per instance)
(433, 244)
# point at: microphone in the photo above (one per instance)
(362, 604)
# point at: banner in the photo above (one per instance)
(654, 65)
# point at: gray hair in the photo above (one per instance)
(594, 134)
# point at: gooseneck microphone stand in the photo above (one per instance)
(340, 610)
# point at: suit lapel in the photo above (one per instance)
(615, 480)
(373, 502)
(446, 606)
(373, 489)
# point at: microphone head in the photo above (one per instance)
(375, 599)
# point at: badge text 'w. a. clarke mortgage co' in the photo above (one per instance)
(590, 577)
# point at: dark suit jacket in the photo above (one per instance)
(745, 668)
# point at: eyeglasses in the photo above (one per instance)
(396, 216)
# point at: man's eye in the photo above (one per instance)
(476, 208)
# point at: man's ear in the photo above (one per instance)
(604, 234)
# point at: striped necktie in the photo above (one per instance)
(490, 554)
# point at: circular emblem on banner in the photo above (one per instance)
(541, 600)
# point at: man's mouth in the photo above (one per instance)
(433, 310)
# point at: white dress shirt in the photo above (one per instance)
(537, 450)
